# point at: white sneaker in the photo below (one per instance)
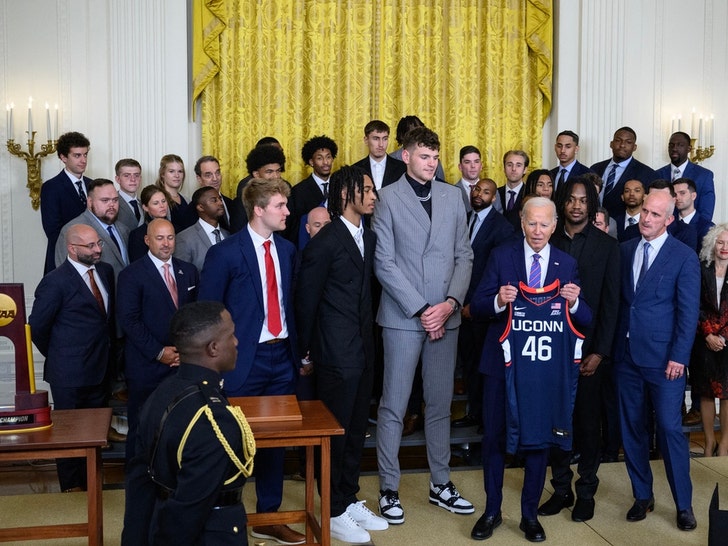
(446, 496)
(345, 529)
(390, 507)
(366, 518)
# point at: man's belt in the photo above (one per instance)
(229, 497)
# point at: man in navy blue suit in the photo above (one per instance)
(149, 292)
(487, 229)
(685, 196)
(681, 167)
(660, 290)
(620, 168)
(71, 324)
(507, 266)
(251, 272)
(63, 197)
(566, 147)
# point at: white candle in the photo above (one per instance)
(693, 126)
(10, 131)
(56, 131)
(30, 118)
(48, 122)
(672, 125)
(7, 120)
(711, 135)
(679, 122)
(700, 132)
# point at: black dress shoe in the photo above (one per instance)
(467, 421)
(484, 527)
(686, 520)
(639, 509)
(533, 530)
(556, 503)
(583, 510)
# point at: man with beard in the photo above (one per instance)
(101, 214)
(73, 309)
(487, 228)
(632, 196)
(597, 257)
(193, 243)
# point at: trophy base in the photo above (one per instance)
(31, 412)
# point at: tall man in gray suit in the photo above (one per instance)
(423, 260)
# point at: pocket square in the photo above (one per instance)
(189, 288)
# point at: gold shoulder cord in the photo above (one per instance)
(246, 468)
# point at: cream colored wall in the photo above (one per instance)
(119, 72)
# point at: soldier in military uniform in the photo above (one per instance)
(194, 450)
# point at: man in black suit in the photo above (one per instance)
(149, 292)
(381, 168)
(515, 163)
(470, 167)
(487, 228)
(336, 332)
(620, 168)
(208, 173)
(566, 147)
(319, 152)
(71, 325)
(633, 194)
(63, 197)
(597, 257)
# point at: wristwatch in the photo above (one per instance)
(454, 304)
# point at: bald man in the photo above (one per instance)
(317, 218)
(73, 309)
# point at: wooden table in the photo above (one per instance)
(75, 433)
(314, 429)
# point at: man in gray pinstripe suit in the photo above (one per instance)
(423, 260)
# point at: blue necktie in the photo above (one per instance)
(645, 262)
(561, 178)
(113, 237)
(610, 179)
(534, 277)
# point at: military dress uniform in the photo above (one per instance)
(194, 452)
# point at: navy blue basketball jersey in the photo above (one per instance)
(542, 351)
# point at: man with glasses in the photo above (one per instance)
(71, 326)
(208, 173)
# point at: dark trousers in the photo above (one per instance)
(587, 439)
(494, 450)
(471, 338)
(273, 373)
(72, 472)
(347, 393)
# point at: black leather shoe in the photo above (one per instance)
(464, 422)
(556, 503)
(533, 530)
(686, 520)
(639, 509)
(484, 527)
(583, 510)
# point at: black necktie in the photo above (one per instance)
(81, 193)
(325, 190)
(561, 178)
(610, 179)
(135, 206)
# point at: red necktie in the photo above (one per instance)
(171, 284)
(274, 308)
(95, 291)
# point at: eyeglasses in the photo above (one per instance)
(91, 246)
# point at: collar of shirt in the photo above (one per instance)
(81, 268)
(207, 228)
(351, 227)
(688, 218)
(627, 217)
(621, 165)
(545, 254)
(159, 263)
(73, 178)
(567, 167)
(258, 240)
(420, 189)
(655, 244)
(483, 213)
(374, 163)
(516, 189)
(579, 234)
(128, 198)
(681, 167)
(320, 182)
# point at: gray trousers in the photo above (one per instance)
(402, 350)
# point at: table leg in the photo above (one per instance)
(310, 486)
(94, 482)
(325, 490)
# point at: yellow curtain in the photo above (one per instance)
(476, 72)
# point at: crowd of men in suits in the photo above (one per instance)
(382, 269)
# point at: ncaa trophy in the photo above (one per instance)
(31, 410)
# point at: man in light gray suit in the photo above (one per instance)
(129, 178)
(423, 260)
(101, 215)
(193, 242)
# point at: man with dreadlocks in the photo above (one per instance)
(336, 332)
(194, 450)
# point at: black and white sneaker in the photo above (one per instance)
(445, 495)
(390, 507)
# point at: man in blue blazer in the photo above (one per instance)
(660, 290)
(71, 324)
(144, 311)
(624, 166)
(63, 197)
(506, 268)
(251, 272)
(681, 167)
(685, 195)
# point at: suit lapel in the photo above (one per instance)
(156, 279)
(439, 217)
(202, 235)
(658, 264)
(79, 283)
(251, 259)
(409, 201)
(109, 246)
(347, 241)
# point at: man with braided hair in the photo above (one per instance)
(194, 451)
